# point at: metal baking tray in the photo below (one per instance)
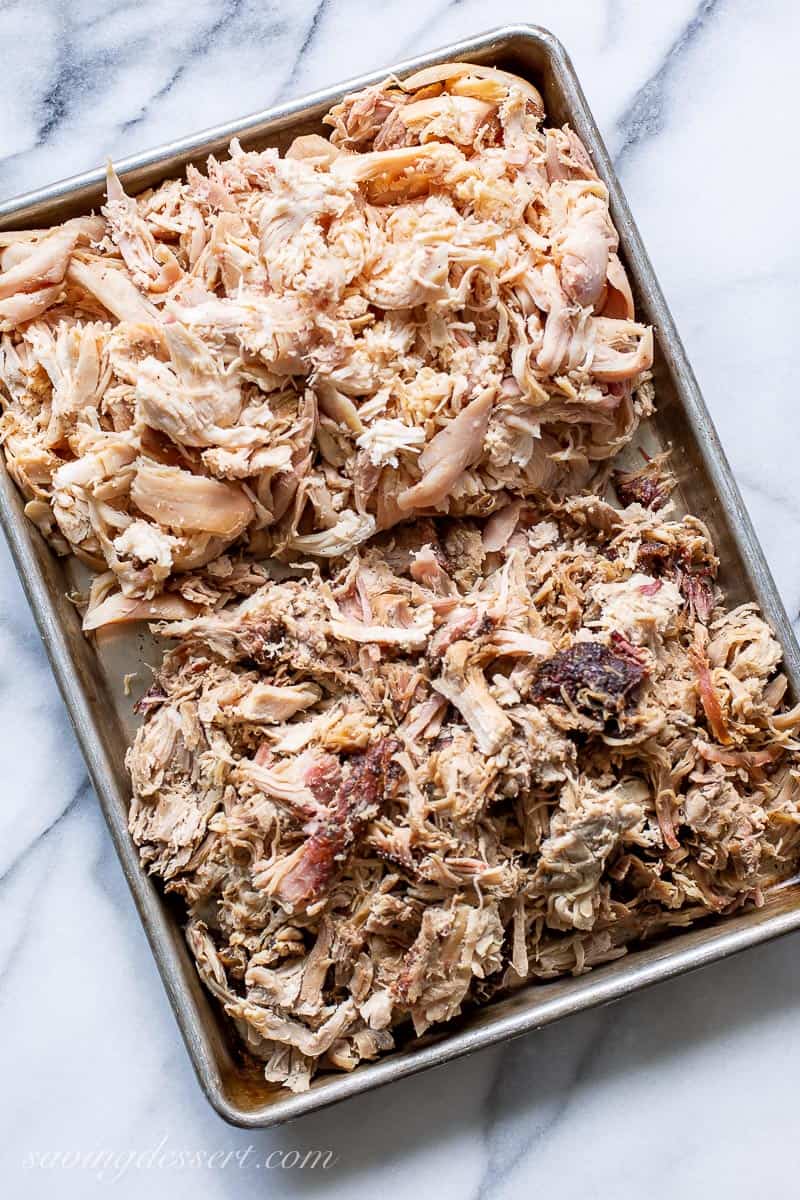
(90, 675)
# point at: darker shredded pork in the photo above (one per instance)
(454, 757)
(472, 757)
(590, 675)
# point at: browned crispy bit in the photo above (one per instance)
(654, 557)
(372, 821)
(591, 677)
(693, 576)
(650, 486)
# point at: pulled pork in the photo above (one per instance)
(424, 313)
(472, 756)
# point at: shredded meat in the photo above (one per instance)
(693, 574)
(472, 732)
(591, 676)
(424, 313)
(649, 486)
(464, 757)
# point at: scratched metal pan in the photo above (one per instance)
(90, 675)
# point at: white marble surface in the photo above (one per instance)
(688, 1089)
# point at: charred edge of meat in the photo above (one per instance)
(695, 580)
(650, 486)
(655, 558)
(365, 786)
(596, 680)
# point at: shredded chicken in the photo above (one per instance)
(425, 313)
(466, 757)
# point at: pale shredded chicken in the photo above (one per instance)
(425, 313)
(473, 756)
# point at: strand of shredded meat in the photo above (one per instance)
(425, 313)
(474, 755)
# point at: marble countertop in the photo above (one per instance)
(686, 1089)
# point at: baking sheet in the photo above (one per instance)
(90, 676)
